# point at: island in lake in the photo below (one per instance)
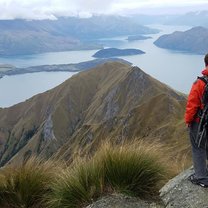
(138, 37)
(112, 52)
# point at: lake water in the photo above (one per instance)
(176, 69)
(18, 88)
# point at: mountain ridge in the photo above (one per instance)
(111, 101)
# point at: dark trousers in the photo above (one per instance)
(199, 155)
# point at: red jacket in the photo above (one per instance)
(194, 99)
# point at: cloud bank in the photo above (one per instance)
(51, 9)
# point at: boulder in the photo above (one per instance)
(180, 192)
(121, 201)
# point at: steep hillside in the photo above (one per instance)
(112, 101)
(193, 40)
(19, 37)
(20, 42)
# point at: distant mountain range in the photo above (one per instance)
(111, 101)
(19, 37)
(113, 52)
(18, 42)
(197, 18)
(194, 40)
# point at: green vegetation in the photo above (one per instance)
(76, 187)
(136, 170)
(26, 185)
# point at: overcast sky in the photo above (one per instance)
(50, 9)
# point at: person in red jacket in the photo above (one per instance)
(193, 106)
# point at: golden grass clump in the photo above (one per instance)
(137, 169)
(25, 186)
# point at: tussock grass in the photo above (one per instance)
(180, 162)
(76, 187)
(25, 186)
(137, 169)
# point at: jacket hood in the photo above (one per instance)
(205, 72)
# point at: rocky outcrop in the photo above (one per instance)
(179, 192)
(48, 129)
(121, 201)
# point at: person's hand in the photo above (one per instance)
(188, 125)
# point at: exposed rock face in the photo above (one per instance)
(179, 192)
(48, 129)
(121, 201)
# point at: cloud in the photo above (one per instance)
(50, 9)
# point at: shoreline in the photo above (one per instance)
(78, 67)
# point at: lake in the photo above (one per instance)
(176, 69)
(18, 88)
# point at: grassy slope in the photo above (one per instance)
(110, 101)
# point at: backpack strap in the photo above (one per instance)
(202, 131)
(204, 79)
(204, 99)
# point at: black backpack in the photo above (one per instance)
(202, 132)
